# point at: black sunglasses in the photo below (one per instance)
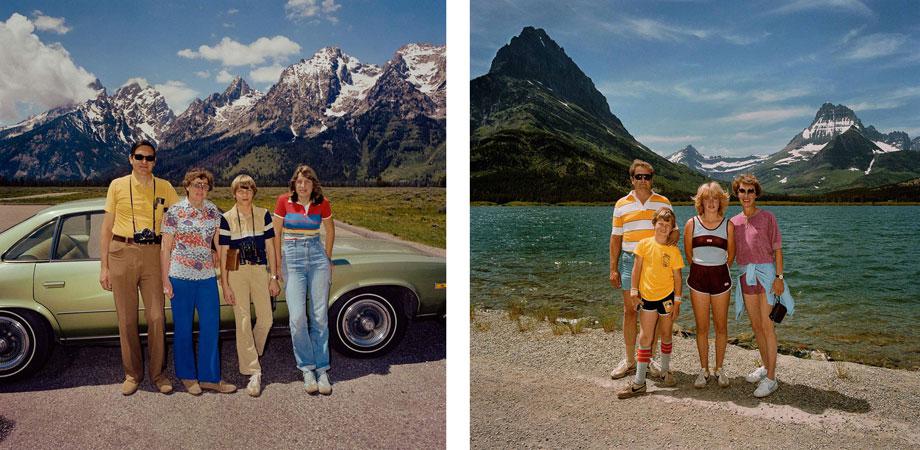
(747, 191)
(642, 176)
(139, 157)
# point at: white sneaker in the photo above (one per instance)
(654, 369)
(323, 384)
(723, 379)
(766, 387)
(309, 382)
(254, 388)
(622, 369)
(701, 379)
(757, 375)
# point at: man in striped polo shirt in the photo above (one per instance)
(632, 222)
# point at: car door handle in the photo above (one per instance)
(53, 284)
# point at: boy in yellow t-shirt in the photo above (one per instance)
(657, 282)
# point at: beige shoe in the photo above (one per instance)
(192, 387)
(323, 384)
(622, 369)
(668, 379)
(221, 387)
(129, 387)
(254, 388)
(723, 379)
(164, 385)
(631, 390)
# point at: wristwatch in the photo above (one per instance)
(779, 275)
(274, 277)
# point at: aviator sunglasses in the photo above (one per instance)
(642, 176)
(140, 157)
(746, 191)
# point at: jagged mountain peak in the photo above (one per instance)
(830, 111)
(535, 57)
(237, 88)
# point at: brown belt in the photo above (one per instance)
(128, 240)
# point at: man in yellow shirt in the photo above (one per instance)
(130, 249)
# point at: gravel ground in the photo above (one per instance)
(536, 389)
(397, 400)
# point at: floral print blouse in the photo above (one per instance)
(193, 231)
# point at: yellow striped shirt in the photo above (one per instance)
(633, 219)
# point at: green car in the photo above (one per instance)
(50, 292)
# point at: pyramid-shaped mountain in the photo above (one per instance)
(536, 119)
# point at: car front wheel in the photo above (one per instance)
(25, 344)
(367, 324)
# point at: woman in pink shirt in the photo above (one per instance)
(758, 244)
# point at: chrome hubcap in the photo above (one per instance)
(14, 343)
(366, 323)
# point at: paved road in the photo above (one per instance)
(397, 400)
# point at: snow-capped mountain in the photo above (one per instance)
(719, 167)
(143, 110)
(373, 123)
(215, 114)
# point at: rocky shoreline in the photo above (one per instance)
(530, 387)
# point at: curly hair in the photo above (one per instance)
(710, 190)
(746, 178)
(196, 173)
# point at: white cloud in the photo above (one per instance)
(268, 74)
(142, 82)
(875, 105)
(876, 46)
(232, 53)
(224, 77)
(203, 74)
(704, 95)
(630, 88)
(307, 9)
(767, 95)
(48, 23)
(654, 30)
(35, 74)
(770, 115)
(178, 94)
(232, 11)
(825, 6)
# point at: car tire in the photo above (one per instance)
(367, 324)
(25, 344)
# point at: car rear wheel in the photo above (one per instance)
(367, 324)
(25, 343)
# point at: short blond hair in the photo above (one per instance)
(710, 190)
(665, 214)
(746, 178)
(639, 163)
(243, 180)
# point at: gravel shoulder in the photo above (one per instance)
(537, 389)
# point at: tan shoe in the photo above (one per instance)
(164, 385)
(221, 387)
(254, 388)
(631, 390)
(128, 387)
(668, 379)
(192, 387)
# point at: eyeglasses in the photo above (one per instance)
(747, 191)
(140, 157)
(201, 185)
(642, 176)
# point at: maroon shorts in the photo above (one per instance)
(757, 288)
(712, 280)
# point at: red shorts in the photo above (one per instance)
(755, 289)
(712, 280)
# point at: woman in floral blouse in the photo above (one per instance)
(190, 227)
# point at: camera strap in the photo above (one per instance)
(154, 208)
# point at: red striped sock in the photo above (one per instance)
(666, 348)
(644, 355)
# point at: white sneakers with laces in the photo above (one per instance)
(757, 375)
(254, 388)
(766, 387)
(701, 379)
(309, 382)
(323, 384)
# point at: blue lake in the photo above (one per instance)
(853, 270)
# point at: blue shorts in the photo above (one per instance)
(626, 266)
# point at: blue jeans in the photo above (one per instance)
(189, 295)
(308, 271)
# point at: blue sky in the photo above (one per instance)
(116, 41)
(729, 77)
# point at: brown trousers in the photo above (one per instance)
(250, 286)
(133, 266)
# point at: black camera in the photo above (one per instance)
(145, 236)
(248, 251)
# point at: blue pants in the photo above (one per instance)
(308, 271)
(190, 295)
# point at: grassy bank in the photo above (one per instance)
(413, 214)
(682, 203)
